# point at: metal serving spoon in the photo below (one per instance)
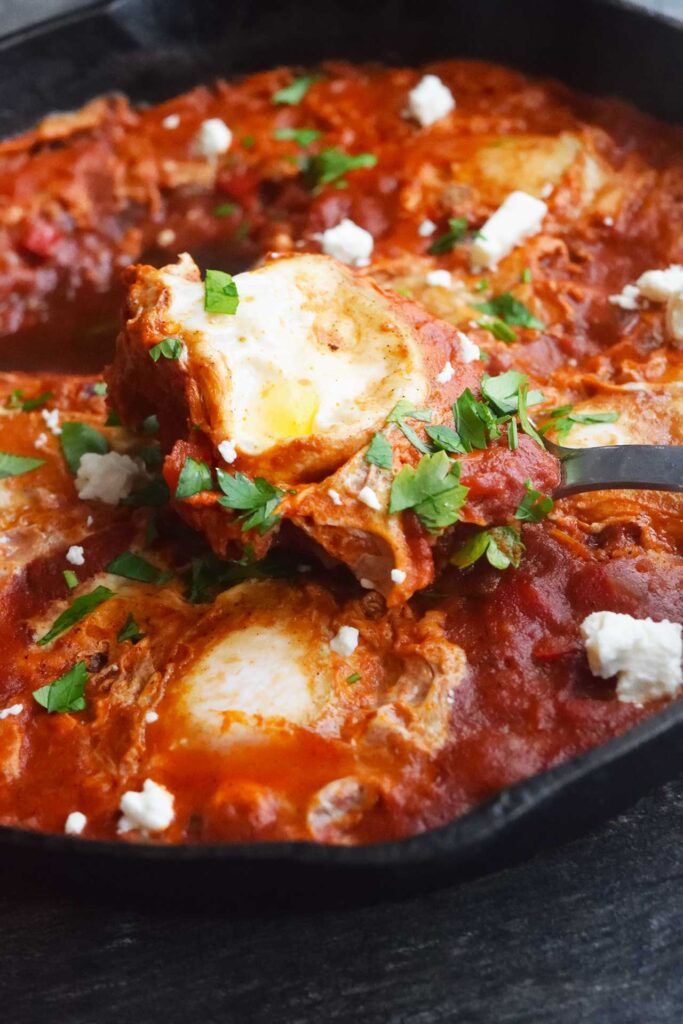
(642, 467)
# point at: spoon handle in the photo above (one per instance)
(646, 467)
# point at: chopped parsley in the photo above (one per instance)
(511, 311)
(17, 465)
(150, 424)
(195, 476)
(513, 435)
(99, 388)
(474, 421)
(255, 499)
(77, 610)
(355, 677)
(534, 506)
(220, 292)
(402, 411)
(17, 401)
(291, 95)
(248, 141)
(380, 452)
(70, 578)
(66, 693)
(169, 348)
(526, 275)
(525, 423)
(78, 438)
(210, 574)
(129, 631)
(331, 164)
(113, 419)
(498, 328)
(302, 136)
(502, 391)
(445, 439)
(225, 209)
(432, 490)
(481, 285)
(501, 545)
(457, 229)
(563, 419)
(134, 567)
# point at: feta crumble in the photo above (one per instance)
(349, 243)
(335, 497)
(445, 375)
(213, 138)
(426, 228)
(430, 100)
(51, 417)
(519, 217)
(13, 709)
(150, 809)
(660, 285)
(674, 319)
(40, 441)
(345, 641)
(627, 298)
(166, 237)
(369, 498)
(469, 352)
(75, 555)
(109, 478)
(171, 121)
(151, 717)
(644, 655)
(75, 823)
(366, 584)
(439, 278)
(398, 576)
(227, 451)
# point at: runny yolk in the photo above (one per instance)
(288, 409)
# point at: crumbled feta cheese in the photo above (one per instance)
(369, 498)
(213, 138)
(366, 584)
(13, 709)
(227, 451)
(348, 243)
(335, 497)
(51, 417)
(469, 352)
(398, 576)
(627, 298)
(426, 228)
(89, 521)
(608, 222)
(75, 823)
(345, 641)
(439, 278)
(660, 285)
(171, 121)
(547, 190)
(644, 655)
(430, 100)
(166, 237)
(151, 809)
(674, 319)
(40, 441)
(109, 478)
(75, 555)
(151, 717)
(519, 217)
(445, 375)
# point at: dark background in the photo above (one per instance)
(589, 932)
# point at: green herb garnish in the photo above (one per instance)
(17, 465)
(432, 490)
(99, 388)
(195, 476)
(65, 693)
(403, 411)
(255, 499)
(498, 328)
(291, 95)
(302, 136)
(563, 419)
(355, 677)
(133, 567)
(332, 164)
(534, 506)
(248, 141)
(79, 608)
(210, 574)
(220, 293)
(525, 423)
(70, 578)
(17, 401)
(169, 348)
(502, 391)
(113, 419)
(457, 229)
(380, 452)
(152, 494)
(445, 439)
(78, 438)
(129, 631)
(526, 275)
(150, 424)
(511, 311)
(501, 545)
(474, 421)
(225, 209)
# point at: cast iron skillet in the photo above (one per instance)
(152, 49)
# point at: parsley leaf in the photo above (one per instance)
(78, 438)
(65, 693)
(432, 489)
(355, 677)
(511, 311)
(257, 499)
(99, 388)
(513, 435)
(502, 392)
(133, 567)
(195, 476)
(380, 452)
(150, 424)
(473, 421)
(445, 439)
(208, 575)
(225, 209)
(169, 348)
(404, 410)
(534, 506)
(70, 578)
(293, 94)
(17, 401)
(17, 465)
(457, 229)
(220, 292)
(563, 419)
(302, 136)
(498, 328)
(77, 610)
(526, 424)
(129, 631)
(331, 164)
(501, 544)
(113, 419)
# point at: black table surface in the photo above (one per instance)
(589, 932)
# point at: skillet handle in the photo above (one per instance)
(646, 467)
